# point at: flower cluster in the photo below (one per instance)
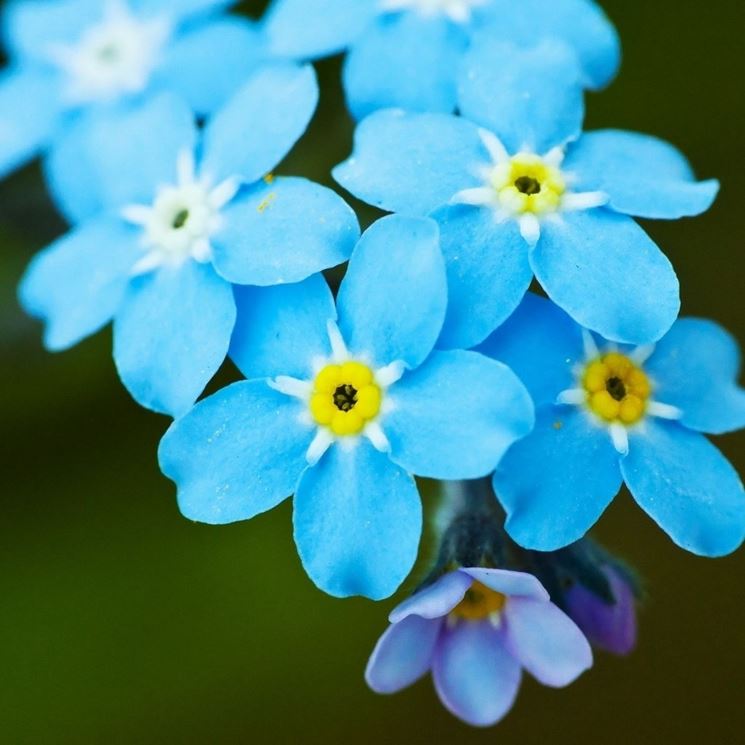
(161, 124)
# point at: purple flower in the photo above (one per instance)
(610, 627)
(476, 629)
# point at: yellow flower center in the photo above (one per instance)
(479, 602)
(345, 398)
(617, 389)
(526, 183)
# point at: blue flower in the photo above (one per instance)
(407, 52)
(516, 196)
(341, 416)
(476, 630)
(183, 215)
(69, 59)
(609, 414)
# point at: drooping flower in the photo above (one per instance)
(519, 193)
(70, 60)
(608, 414)
(183, 216)
(476, 630)
(342, 416)
(406, 53)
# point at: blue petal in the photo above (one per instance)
(358, 520)
(406, 61)
(642, 175)
(541, 344)
(393, 298)
(530, 98)
(281, 330)
(284, 231)
(207, 65)
(687, 487)
(180, 9)
(608, 274)
(476, 678)
(511, 584)
(412, 163)
(435, 600)
(306, 29)
(78, 282)
(456, 415)
(695, 367)
(402, 655)
(31, 115)
(579, 23)
(171, 335)
(259, 125)
(487, 269)
(546, 641)
(555, 483)
(236, 454)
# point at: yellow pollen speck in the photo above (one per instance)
(479, 602)
(617, 389)
(558, 425)
(527, 184)
(345, 398)
(266, 202)
(268, 178)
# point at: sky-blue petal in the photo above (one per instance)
(455, 416)
(284, 231)
(236, 454)
(643, 175)
(529, 97)
(280, 330)
(180, 9)
(607, 274)
(393, 298)
(259, 125)
(358, 520)
(411, 163)
(555, 483)
(687, 487)
(171, 335)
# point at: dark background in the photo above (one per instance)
(121, 622)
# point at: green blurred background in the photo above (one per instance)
(121, 622)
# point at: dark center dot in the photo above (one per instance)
(345, 397)
(180, 220)
(528, 185)
(616, 388)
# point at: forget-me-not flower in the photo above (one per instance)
(342, 416)
(518, 193)
(476, 630)
(71, 59)
(407, 52)
(608, 414)
(187, 214)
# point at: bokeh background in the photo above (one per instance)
(122, 622)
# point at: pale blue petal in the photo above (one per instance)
(607, 274)
(476, 678)
(236, 454)
(541, 344)
(358, 520)
(511, 584)
(77, 284)
(171, 335)
(180, 9)
(529, 97)
(402, 655)
(555, 483)
(259, 125)
(687, 487)
(207, 65)
(281, 330)
(284, 231)
(412, 163)
(404, 61)
(487, 269)
(695, 367)
(435, 600)
(306, 29)
(392, 301)
(642, 175)
(456, 415)
(547, 642)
